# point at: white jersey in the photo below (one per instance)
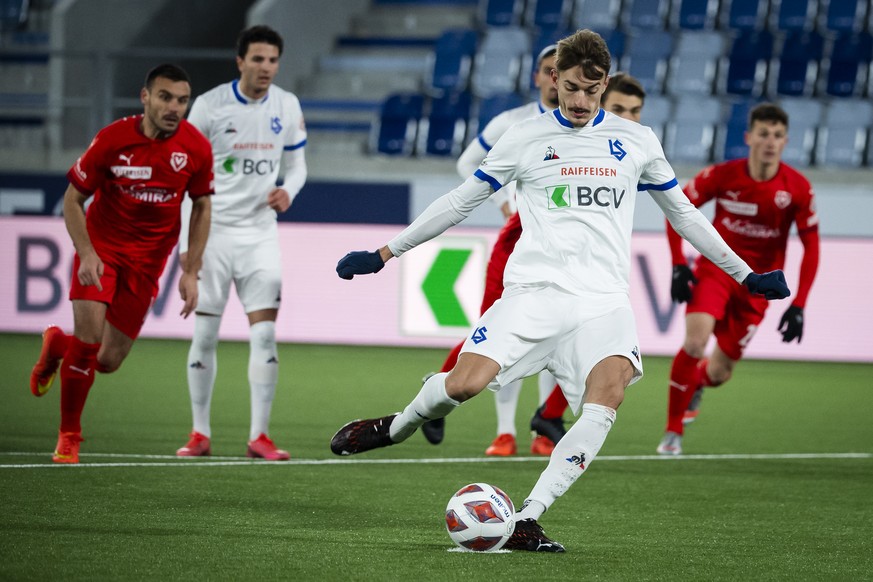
(248, 138)
(576, 192)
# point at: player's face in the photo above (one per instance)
(578, 96)
(165, 105)
(623, 105)
(766, 140)
(543, 81)
(258, 68)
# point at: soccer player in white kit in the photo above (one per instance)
(256, 130)
(566, 306)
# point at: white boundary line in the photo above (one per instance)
(241, 461)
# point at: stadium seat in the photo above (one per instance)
(694, 63)
(795, 15)
(501, 12)
(647, 56)
(846, 15)
(442, 131)
(691, 133)
(394, 131)
(452, 60)
(489, 107)
(845, 133)
(554, 14)
(747, 63)
(499, 60)
(645, 14)
(848, 62)
(695, 15)
(804, 118)
(798, 63)
(733, 145)
(657, 111)
(596, 14)
(543, 38)
(746, 14)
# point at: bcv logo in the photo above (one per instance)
(616, 150)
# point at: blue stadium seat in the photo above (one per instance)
(694, 64)
(747, 63)
(394, 131)
(499, 61)
(846, 15)
(501, 12)
(848, 62)
(543, 38)
(747, 14)
(691, 134)
(798, 63)
(442, 132)
(647, 56)
(549, 13)
(645, 14)
(657, 111)
(804, 119)
(845, 133)
(796, 15)
(489, 107)
(733, 146)
(597, 14)
(695, 15)
(452, 60)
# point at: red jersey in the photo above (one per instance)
(754, 218)
(138, 185)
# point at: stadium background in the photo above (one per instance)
(69, 67)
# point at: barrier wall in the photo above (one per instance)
(431, 295)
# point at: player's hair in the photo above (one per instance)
(169, 71)
(585, 49)
(258, 33)
(547, 52)
(768, 112)
(626, 85)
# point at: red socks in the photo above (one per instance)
(555, 404)
(77, 377)
(684, 380)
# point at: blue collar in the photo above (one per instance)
(566, 123)
(242, 98)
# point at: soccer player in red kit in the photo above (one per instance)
(138, 170)
(757, 200)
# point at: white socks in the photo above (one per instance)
(506, 402)
(263, 374)
(202, 367)
(431, 403)
(570, 459)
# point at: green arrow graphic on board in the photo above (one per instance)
(438, 287)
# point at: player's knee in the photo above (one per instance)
(263, 335)
(462, 387)
(106, 363)
(694, 347)
(718, 376)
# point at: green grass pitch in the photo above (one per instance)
(767, 499)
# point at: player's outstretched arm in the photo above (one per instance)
(362, 262)
(90, 265)
(771, 285)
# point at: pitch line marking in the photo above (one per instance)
(242, 461)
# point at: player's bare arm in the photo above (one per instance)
(201, 213)
(90, 265)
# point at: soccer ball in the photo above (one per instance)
(480, 517)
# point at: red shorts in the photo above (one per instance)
(509, 235)
(127, 293)
(737, 312)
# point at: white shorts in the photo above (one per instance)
(249, 258)
(535, 328)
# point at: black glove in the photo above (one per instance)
(771, 285)
(359, 263)
(683, 278)
(791, 324)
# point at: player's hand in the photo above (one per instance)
(791, 324)
(188, 293)
(771, 285)
(90, 270)
(680, 288)
(279, 200)
(359, 263)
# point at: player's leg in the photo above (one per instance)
(54, 345)
(505, 404)
(547, 422)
